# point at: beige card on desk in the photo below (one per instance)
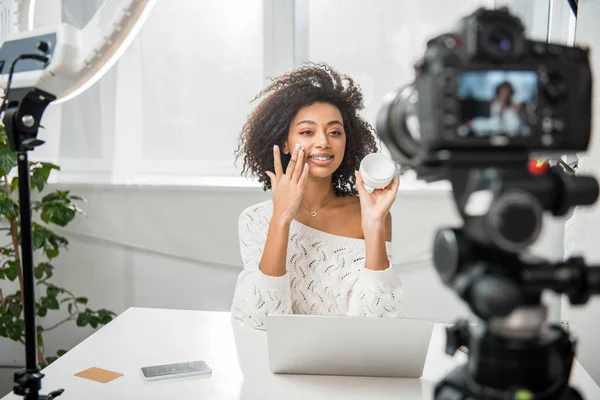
(99, 374)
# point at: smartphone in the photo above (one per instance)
(177, 370)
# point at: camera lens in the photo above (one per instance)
(398, 125)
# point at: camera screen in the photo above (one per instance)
(496, 103)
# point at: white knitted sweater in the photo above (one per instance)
(325, 275)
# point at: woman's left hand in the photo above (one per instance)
(376, 205)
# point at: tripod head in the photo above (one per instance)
(513, 350)
(485, 260)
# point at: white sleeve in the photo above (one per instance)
(377, 293)
(257, 294)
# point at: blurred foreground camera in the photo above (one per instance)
(486, 100)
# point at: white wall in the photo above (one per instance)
(176, 247)
(582, 231)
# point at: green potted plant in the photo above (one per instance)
(57, 208)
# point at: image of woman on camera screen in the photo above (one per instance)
(496, 106)
(503, 108)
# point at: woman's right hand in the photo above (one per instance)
(288, 188)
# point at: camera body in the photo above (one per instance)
(486, 89)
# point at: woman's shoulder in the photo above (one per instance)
(253, 221)
(262, 211)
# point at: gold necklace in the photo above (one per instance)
(313, 213)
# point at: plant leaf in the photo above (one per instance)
(8, 160)
(83, 319)
(9, 252)
(44, 237)
(52, 303)
(52, 291)
(8, 207)
(51, 166)
(40, 235)
(15, 309)
(38, 180)
(15, 331)
(105, 316)
(51, 253)
(59, 214)
(12, 271)
(40, 172)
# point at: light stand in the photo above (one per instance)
(22, 117)
(74, 59)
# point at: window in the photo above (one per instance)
(175, 103)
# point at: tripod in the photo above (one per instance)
(513, 353)
(22, 120)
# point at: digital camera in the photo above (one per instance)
(484, 93)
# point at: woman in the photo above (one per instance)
(504, 112)
(315, 247)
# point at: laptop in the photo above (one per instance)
(348, 345)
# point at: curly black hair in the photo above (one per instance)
(269, 122)
(511, 90)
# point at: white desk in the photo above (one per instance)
(238, 356)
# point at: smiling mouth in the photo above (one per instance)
(320, 158)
